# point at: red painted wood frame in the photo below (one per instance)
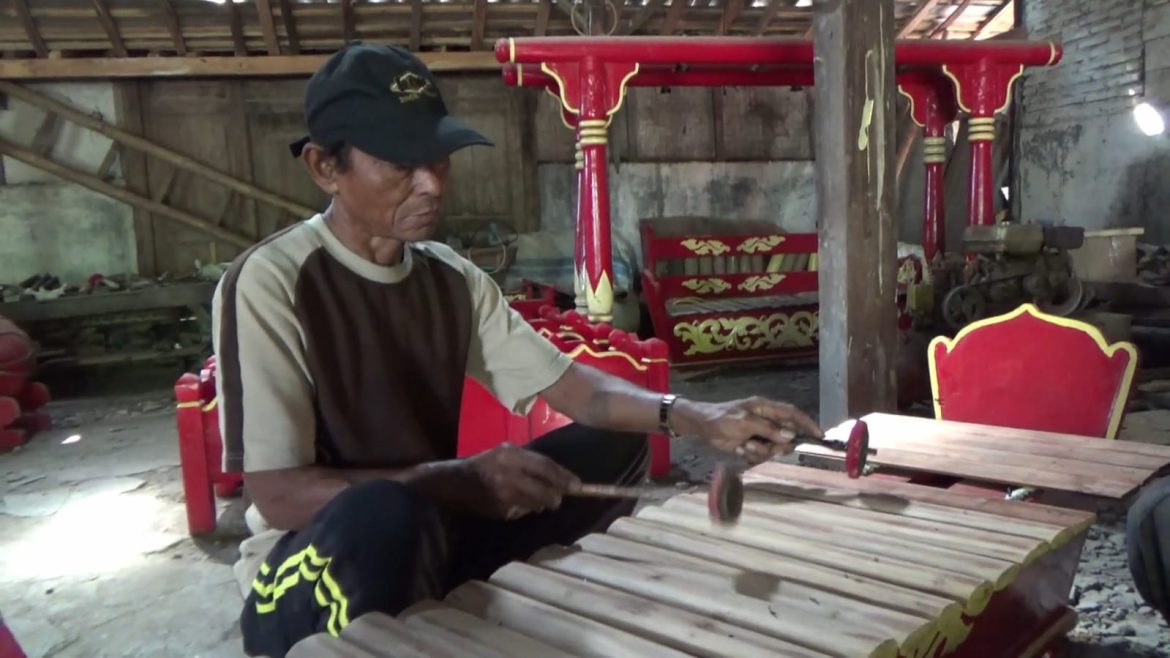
(589, 76)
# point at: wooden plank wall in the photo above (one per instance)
(244, 127)
(692, 124)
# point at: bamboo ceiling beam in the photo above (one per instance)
(991, 18)
(122, 194)
(415, 24)
(65, 111)
(478, 23)
(111, 28)
(30, 28)
(290, 27)
(955, 15)
(916, 19)
(542, 15)
(774, 7)
(172, 19)
(267, 26)
(107, 68)
(238, 45)
(645, 13)
(347, 30)
(678, 9)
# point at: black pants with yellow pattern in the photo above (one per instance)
(379, 546)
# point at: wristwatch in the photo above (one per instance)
(664, 407)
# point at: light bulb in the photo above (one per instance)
(1149, 120)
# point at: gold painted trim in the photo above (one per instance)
(622, 91)
(210, 406)
(762, 282)
(910, 98)
(1055, 54)
(594, 141)
(982, 121)
(187, 405)
(958, 88)
(519, 75)
(592, 123)
(761, 244)
(707, 286)
(560, 88)
(511, 50)
(705, 247)
(1011, 85)
(813, 262)
(1109, 350)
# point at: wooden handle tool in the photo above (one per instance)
(724, 496)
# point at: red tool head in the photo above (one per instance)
(857, 451)
(725, 497)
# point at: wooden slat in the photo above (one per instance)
(348, 32)
(542, 15)
(267, 26)
(553, 625)
(30, 28)
(916, 19)
(290, 27)
(108, 161)
(173, 67)
(645, 13)
(492, 638)
(665, 624)
(327, 646)
(787, 612)
(991, 18)
(111, 28)
(415, 24)
(237, 30)
(172, 19)
(46, 134)
(1075, 520)
(731, 11)
(387, 636)
(950, 20)
(970, 591)
(707, 549)
(774, 6)
(678, 9)
(478, 24)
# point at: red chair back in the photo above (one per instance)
(1031, 370)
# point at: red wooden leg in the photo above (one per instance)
(934, 215)
(197, 489)
(981, 133)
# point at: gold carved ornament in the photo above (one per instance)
(764, 282)
(707, 286)
(749, 334)
(705, 247)
(760, 245)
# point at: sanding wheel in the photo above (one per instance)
(725, 497)
(857, 450)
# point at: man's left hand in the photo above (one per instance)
(755, 428)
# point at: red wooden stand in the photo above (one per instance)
(589, 75)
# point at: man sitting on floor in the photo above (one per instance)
(342, 345)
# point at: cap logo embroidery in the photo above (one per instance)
(411, 86)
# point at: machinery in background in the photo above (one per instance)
(1001, 267)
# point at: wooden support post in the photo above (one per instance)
(478, 24)
(347, 30)
(854, 66)
(290, 27)
(107, 21)
(267, 26)
(542, 15)
(415, 24)
(238, 44)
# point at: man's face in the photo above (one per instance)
(388, 200)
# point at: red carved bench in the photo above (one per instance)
(484, 422)
(722, 291)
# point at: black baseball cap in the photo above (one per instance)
(384, 101)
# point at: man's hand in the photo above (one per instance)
(512, 482)
(755, 428)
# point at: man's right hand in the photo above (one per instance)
(514, 482)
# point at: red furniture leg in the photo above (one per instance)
(197, 485)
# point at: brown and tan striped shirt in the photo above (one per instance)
(326, 358)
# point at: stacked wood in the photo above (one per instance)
(194, 27)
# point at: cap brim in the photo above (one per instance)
(415, 147)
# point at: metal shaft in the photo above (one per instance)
(614, 491)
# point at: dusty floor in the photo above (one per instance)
(95, 560)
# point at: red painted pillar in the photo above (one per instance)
(593, 126)
(932, 107)
(983, 89)
(582, 213)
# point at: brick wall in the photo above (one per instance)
(1082, 159)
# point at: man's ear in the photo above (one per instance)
(321, 167)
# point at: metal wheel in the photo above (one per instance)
(1069, 302)
(962, 306)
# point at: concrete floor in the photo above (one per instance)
(95, 560)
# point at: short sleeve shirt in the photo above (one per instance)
(324, 358)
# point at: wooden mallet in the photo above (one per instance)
(724, 496)
(856, 448)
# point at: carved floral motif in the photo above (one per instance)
(749, 334)
(705, 247)
(707, 286)
(762, 282)
(760, 245)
